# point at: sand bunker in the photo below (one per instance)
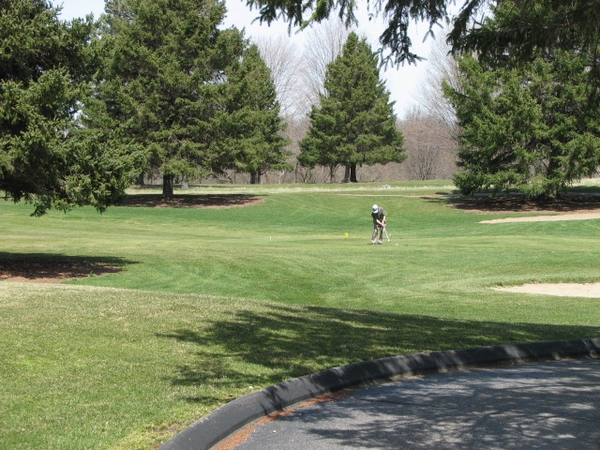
(590, 290)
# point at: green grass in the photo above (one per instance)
(211, 304)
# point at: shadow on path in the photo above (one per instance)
(535, 406)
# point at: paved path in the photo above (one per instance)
(553, 405)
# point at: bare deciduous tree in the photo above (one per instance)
(280, 54)
(298, 71)
(324, 42)
(430, 98)
(430, 147)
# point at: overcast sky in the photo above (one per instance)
(402, 82)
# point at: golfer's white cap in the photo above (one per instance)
(375, 208)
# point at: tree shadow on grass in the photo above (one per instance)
(510, 203)
(261, 349)
(48, 267)
(213, 201)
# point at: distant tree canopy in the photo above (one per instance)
(45, 66)
(355, 123)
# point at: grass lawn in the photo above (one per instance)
(211, 304)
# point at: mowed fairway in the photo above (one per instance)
(211, 304)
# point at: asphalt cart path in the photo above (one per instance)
(543, 405)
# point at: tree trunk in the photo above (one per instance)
(255, 177)
(347, 173)
(167, 192)
(353, 178)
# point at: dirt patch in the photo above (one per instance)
(239, 437)
(589, 290)
(47, 270)
(216, 201)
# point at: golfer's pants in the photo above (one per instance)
(375, 229)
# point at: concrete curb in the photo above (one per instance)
(229, 418)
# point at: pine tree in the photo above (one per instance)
(250, 120)
(165, 62)
(45, 66)
(355, 123)
(529, 127)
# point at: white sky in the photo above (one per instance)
(402, 82)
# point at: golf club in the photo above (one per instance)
(386, 233)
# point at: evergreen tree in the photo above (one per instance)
(355, 123)
(529, 127)
(534, 28)
(250, 120)
(165, 62)
(45, 66)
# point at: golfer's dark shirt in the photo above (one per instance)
(379, 215)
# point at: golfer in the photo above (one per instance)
(379, 216)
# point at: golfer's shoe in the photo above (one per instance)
(380, 241)
(373, 241)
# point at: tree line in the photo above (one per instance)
(159, 86)
(522, 96)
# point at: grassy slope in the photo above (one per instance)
(214, 303)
